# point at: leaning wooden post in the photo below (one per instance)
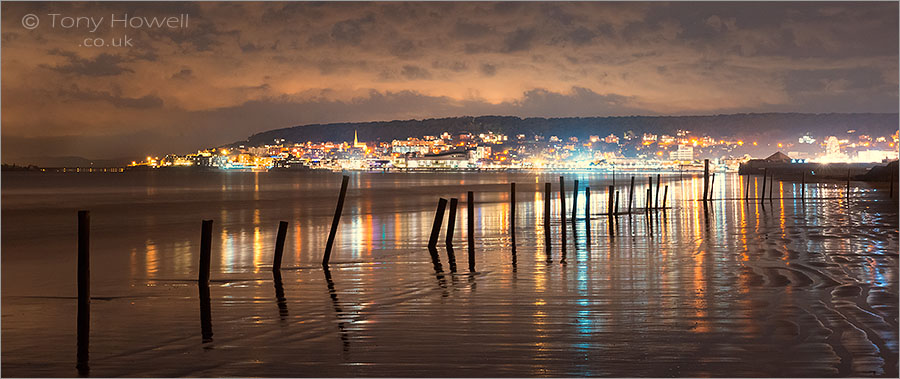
(665, 193)
(705, 178)
(84, 291)
(562, 210)
(436, 226)
(547, 218)
(205, 249)
(712, 184)
(574, 203)
(279, 245)
(762, 195)
(631, 195)
(610, 205)
(470, 210)
(336, 221)
(451, 221)
(656, 202)
(512, 213)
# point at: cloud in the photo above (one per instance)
(101, 65)
(246, 67)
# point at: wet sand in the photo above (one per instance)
(741, 288)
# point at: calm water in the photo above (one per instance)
(790, 288)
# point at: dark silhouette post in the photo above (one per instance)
(562, 210)
(280, 300)
(848, 183)
(205, 248)
(336, 221)
(84, 292)
(574, 203)
(617, 204)
(762, 196)
(587, 203)
(649, 196)
(206, 332)
(705, 178)
(470, 210)
(512, 220)
(631, 195)
(803, 187)
(665, 193)
(747, 189)
(436, 226)
(771, 186)
(587, 218)
(547, 219)
(512, 212)
(656, 202)
(279, 245)
(451, 221)
(609, 205)
(712, 184)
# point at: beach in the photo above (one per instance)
(736, 288)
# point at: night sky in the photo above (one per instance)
(242, 68)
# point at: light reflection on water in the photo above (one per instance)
(736, 288)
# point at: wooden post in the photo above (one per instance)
(547, 219)
(803, 187)
(336, 221)
(84, 292)
(712, 184)
(631, 195)
(470, 210)
(848, 183)
(512, 220)
(587, 203)
(587, 216)
(574, 203)
(279, 245)
(617, 204)
(705, 178)
(656, 202)
(649, 195)
(436, 226)
(206, 332)
(762, 196)
(205, 248)
(747, 189)
(512, 212)
(451, 221)
(562, 210)
(665, 193)
(609, 206)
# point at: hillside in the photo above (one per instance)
(754, 126)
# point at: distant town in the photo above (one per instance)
(493, 151)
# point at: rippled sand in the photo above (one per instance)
(743, 288)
